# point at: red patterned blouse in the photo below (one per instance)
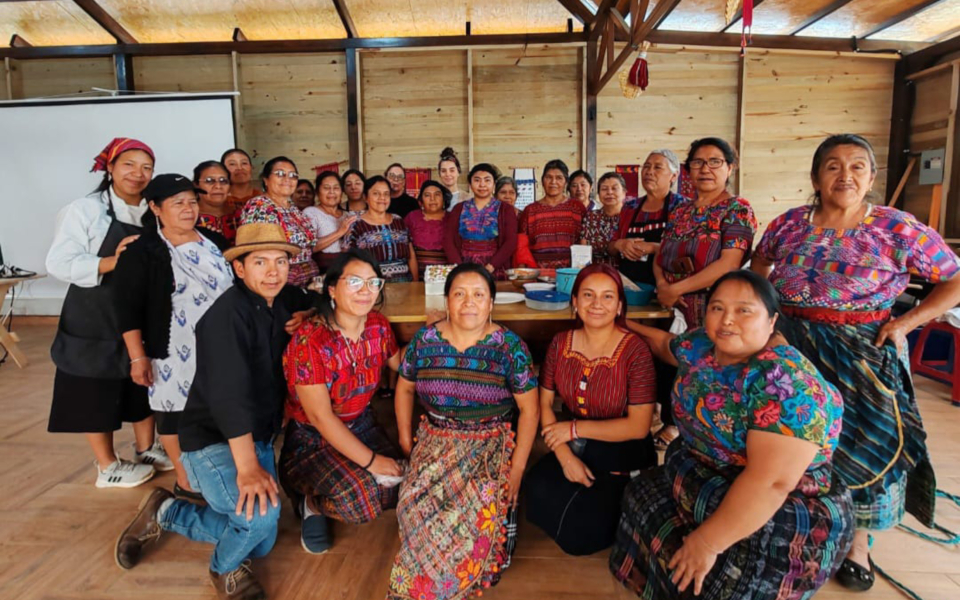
(350, 370)
(601, 388)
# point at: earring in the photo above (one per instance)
(333, 303)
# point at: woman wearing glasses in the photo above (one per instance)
(334, 450)
(276, 205)
(216, 214)
(706, 238)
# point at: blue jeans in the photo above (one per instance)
(213, 472)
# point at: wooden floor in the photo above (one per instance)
(57, 530)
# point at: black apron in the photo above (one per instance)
(89, 341)
(641, 271)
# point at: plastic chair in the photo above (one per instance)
(946, 371)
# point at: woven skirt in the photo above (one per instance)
(457, 530)
(789, 558)
(342, 489)
(882, 454)
(425, 258)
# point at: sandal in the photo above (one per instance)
(664, 438)
(855, 576)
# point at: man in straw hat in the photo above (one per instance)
(233, 412)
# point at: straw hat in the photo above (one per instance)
(260, 236)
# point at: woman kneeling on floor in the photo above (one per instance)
(334, 450)
(605, 377)
(746, 504)
(457, 508)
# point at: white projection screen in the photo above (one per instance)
(47, 149)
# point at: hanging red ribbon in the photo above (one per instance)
(746, 37)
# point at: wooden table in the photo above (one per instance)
(406, 306)
(10, 339)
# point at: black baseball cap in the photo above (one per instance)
(168, 184)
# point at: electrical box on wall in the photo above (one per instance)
(931, 166)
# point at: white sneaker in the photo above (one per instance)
(155, 456)
(123, 474)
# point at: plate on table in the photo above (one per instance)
(508, 298)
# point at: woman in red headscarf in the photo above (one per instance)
(92, 390)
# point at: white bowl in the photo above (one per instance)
(532, 287)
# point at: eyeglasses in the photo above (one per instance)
(213, 180)
(355, 284)
(395, 177)
(713, 163)
(291, 174)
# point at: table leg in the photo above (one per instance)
(9, 339)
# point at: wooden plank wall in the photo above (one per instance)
(692, 94)
(792, 102)
(295, 105)
(291, 104)
(527, 106)
(928, 131)
(57, 76)
(412, 105)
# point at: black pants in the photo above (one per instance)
(583, 520)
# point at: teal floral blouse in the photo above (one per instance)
(777, 390)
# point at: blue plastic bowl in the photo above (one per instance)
(641, 297)
(565, 279)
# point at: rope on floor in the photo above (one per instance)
(952, 540)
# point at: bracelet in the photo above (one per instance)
(139, 359)
(373, 457)
(573, 430)
(709, 547)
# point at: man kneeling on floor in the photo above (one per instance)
(232, 415)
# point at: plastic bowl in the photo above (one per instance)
(565, 279)
(641, 297)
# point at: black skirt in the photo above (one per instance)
(583, 520)
(168, 423)
(91, 405)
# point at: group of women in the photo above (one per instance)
(798, 429)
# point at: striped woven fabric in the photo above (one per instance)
(552, 230)
(310, 466)
(882, 440)
(454, 513)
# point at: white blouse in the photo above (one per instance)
(79, 232)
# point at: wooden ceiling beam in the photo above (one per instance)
(901, 16)
(239, 36)
(639, 34)
(739, 15)
(599, 24)
(678, 38)
(18, 42)
(928, 57)
(579, 10)
(821, 14)
(104, 20)
(345, 18)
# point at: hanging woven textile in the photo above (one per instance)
(335, 167)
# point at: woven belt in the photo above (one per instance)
(832, 316)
